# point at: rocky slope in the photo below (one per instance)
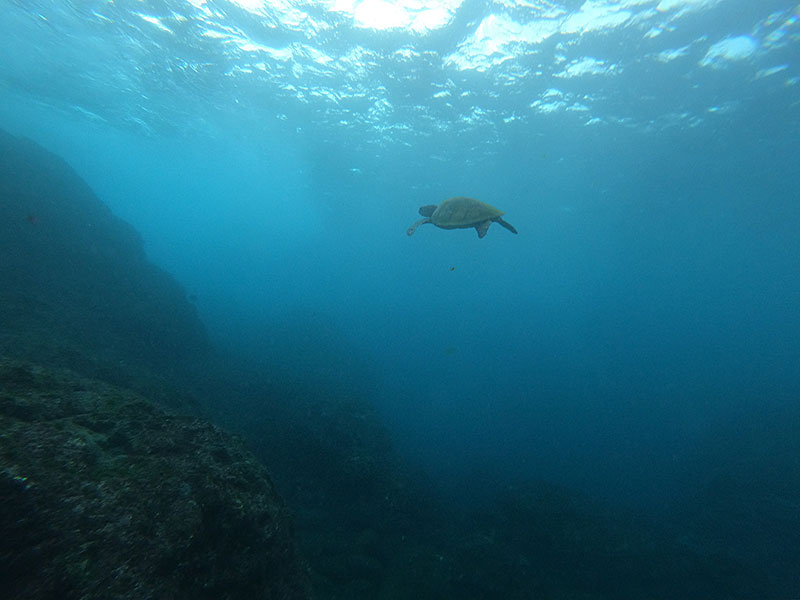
(105, 495)
(76, 289)
(108, 489)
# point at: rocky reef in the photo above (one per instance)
(105, 495)
(110, 484)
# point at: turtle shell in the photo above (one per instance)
(461, 212)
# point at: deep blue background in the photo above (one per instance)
(648, 304)
(649, 300)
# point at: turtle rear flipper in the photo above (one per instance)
(507, 225)
(483, 227)
(413, 228)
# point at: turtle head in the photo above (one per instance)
(427, 210)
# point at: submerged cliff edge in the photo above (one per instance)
(77, 291)
(110, 484)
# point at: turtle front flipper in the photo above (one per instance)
(483, 227)
(413, 228)
(507, 225)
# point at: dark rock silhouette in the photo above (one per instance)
(76, 289)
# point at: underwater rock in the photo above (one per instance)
(749, 468)
(105, 495)
(76, 289)
(539, 540)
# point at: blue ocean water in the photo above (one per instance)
(272, 155)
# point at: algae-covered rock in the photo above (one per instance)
(104, 495)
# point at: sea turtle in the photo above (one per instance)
(461, 213)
